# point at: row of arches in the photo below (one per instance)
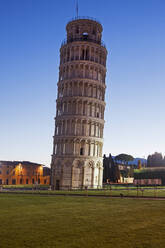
(80, 107)
(77, 147)
(79, 127)
(82, 70)
(88, 27)
(78, 174)
(81, 88)
(96, 53)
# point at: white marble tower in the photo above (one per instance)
(79, 123)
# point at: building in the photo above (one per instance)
(148, 182)
(79, 123)
(23, 172)
(115, 172)
(150, 176)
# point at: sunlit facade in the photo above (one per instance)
(21, 173)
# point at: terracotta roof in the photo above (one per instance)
(26, 163)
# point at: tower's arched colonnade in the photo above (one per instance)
(79, 123)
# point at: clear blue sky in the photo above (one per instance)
(30, 37)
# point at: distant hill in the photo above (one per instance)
(135, 161)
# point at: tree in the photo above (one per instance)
(139, 164)
(155, 160)
(131, 171)
(125, 158)
(111, 169)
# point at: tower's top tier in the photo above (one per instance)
(83, 28)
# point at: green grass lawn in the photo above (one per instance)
(115, 190)
(127, 192)
(25, 186)
(72, 222)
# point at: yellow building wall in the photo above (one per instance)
(23, 174)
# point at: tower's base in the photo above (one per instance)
(76, 173)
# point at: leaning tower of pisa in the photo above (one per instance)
(79, 122)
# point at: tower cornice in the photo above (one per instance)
(81, 98)
(81, 118)
(78, 138)
(83, 62)
(83, 80)
(76, 42)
